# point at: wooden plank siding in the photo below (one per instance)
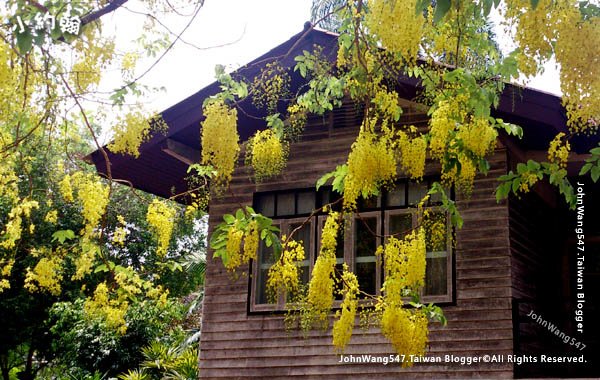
(236, 344)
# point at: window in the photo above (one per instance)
(391, 213)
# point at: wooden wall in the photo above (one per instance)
(235, 344)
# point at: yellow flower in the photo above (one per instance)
(161, 218)
(283, 275)
(45, 276)
(344, 325)
(558, 152)
(220, 141)
(267, 154)
(371, 164)
(398, 28)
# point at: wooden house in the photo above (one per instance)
(513, 260)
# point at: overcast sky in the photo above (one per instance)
(256, 25)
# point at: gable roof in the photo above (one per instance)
(161, 168)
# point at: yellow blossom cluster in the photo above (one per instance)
(92, 194)
(283, 276)
(132, 130)
(371, 163)
(442, 125)
(161, 217)
(51, 216)
(128, 63)
(387, 103)
(557, 26)
(463, 179)
(449, 124)
(251, 240)
(478, 136)
(404, 268)
(436, 231)
(5, 271)
(412, 155)
(404, 265)
(344, 325)
(320, 288)
(558, 152)
(236, 235)
(397, 26)
(271, 85)
(407, 331)
(13, 228)
(93, 54)
(220, 139)
(267, 154)
(295, 123)
(85, 259)
(121, 232)
(111, 310)
(528, 179)
(577, 51)
(45, 276)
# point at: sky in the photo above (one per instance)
(247, 28)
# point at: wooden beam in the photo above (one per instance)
(182, 152)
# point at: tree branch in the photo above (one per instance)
(110, 7)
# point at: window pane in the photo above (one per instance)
(397, 196)
(416, 192)
(285, 204)
(265, 204)
(365, 242)
(436, 274)
(399, 224)
(265, 260)
(365, 245)
(306, 202)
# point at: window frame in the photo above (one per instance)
(284, 228)
(381, 212)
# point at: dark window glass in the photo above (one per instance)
(365, 245)
(400, 225)
(416, 192)
(436, 274)
(265, 204)
(285, 204)
(306, 202)
(396, 197)
(265, 260)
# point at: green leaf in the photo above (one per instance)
(229, 218)
(487, 7)
(534, 3)
(63, 235)
(595, 173)
(586, 168)
(441, 8)
(24, 41)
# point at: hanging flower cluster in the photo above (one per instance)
(398, 28)
(343, 326)
(267, 154)
(161, 217)
(371, 164)
(283, 276)
(320, 289)
(558, 152)
(220, 140)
